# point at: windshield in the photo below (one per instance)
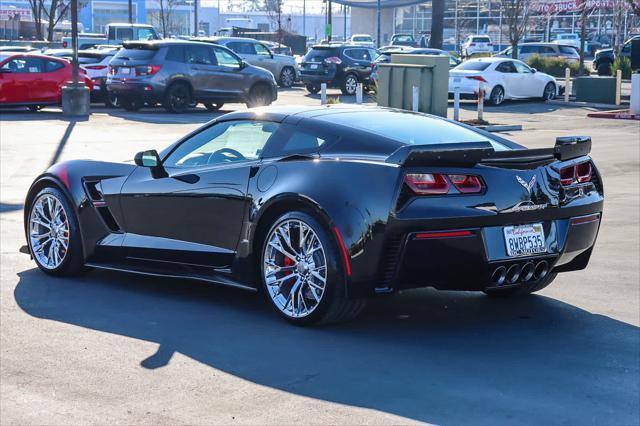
(362, 38)
(403, 38)
(473, 66)
(410, 129)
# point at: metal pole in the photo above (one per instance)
(345, 22)
(131, 11)
(74, 41)
(379, 19)
(455, 25)
(478, 19)
(304, 17)
(500, 25)
(195, 18)
(329, 21)
(218, 15)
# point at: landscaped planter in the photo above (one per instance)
(595, 89)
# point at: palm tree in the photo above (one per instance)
(437, 23)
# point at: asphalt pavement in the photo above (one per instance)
(110, 348)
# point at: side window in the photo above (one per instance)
(529, 49)
(175, 54)
(24, 65)
(242, 47)
(199, 55)
(547, 50)
(225, 58)
(506, 67)
(358, 54)
(626, 48)
(146, 34)
(522, 68)
(52, 66)
(112, 33)
(124, 34)
(225, 142)
(262, 50)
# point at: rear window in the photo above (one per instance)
(473, 66)
(361, 38)
(403, 38)
(90, 58)
(481, 40)
(410, 129)
(320, 54)
(567, 50)
(136, 54)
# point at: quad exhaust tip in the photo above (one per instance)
(498, 276)
(513, 273)
(517, 273)
(527, 271)
(541, 270)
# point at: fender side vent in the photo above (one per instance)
(389, 263)
(108, 219)
(93, 190)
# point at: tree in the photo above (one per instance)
(163, 18)
(274, 11)
(635, 6)
(50, 12)
(516, 14)
(437, 24)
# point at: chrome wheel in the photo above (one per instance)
(350, 84)
(287, 77)
(49, 231)
(497, 95)
(294, 268)
(549, 92)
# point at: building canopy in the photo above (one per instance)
(373, 4)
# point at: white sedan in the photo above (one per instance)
(502, 79)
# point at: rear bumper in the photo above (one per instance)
(140, 90)
(475, 259)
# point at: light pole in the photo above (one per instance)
(131, 11)
(75, 96)
(304, 17)
(195, 18)
(379, 19)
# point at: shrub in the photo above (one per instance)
(553, 66)
(481, 55)
(332, 100)
(623, 64)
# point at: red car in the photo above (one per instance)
(34, 80)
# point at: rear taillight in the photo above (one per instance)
(65, 44)
(95, 67)
(580, 173)
(427, 183)
(112, 70)
(333, 60)
(147, 70)
(466, 184)
(438, 184)
(477, 77)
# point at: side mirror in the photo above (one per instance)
(147, 159)
(534, 70)
(243, 64)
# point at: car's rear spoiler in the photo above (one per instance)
(472, 153)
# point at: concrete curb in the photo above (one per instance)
(585, 104)
(494, 128)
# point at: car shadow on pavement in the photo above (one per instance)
(437, 357)
(43, 115)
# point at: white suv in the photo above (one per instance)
(476, 44)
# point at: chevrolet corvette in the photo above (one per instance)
(322, 208)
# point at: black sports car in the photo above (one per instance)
(323, 207)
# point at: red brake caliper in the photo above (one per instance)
(288, 262)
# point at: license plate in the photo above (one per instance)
(124, 70)
(524, 240)
(313, 66)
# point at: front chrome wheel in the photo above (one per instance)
(49, 234)
(295, 268)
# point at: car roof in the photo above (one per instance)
(490, 60)
(217, 39)
(160, 43)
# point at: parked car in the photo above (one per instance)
(338, 65)
(476, 44)
(257, 53)
(597, 41)
(403, 40)
(364, 40)
(604, 57)
(115, 33)
(417, 201)
(385, 57)
(278, 48)
(503, 79)
(34, 80)
(17, 49)
(96, 63)
(179, 73)
(570, 39)
(545, 50)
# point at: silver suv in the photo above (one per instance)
(179, 74)
(256, 53)
(545, 50)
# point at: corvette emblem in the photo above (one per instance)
(527, 186)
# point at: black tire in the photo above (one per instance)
(312, 88)
(334, 306)
(549, 92)
(604, 68)
(131, 104)
(177, 98)
(287, 77)
(497, 95)
(260, 95)
(521, 290)
(213, 106)
(73, 263)
(350, 84)
(111, 100)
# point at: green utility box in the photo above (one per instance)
(595, 89)
(429, 73)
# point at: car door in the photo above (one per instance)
(52, 80)
(509, 75)
(265, 58)
(529, 86)
(234, 81)
(359, 61)
(192, 208)
(204, 72)
(24, 80)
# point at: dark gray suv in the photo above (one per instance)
(179, 74)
